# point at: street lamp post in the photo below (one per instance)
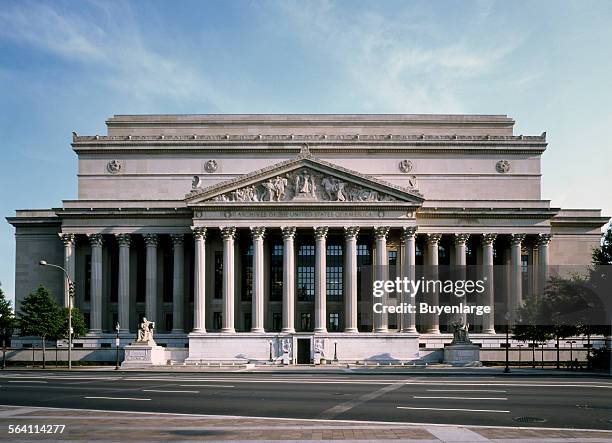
(117, 346)
(70, 297)
(271, 360)
(335, 350)
(507, 317)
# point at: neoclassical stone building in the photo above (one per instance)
(246, 237)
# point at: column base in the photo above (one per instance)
(489, 331)
(258, 330)
(412, 330)
(352, 330)
(228, 330)
(199, 330)
(435, 330)
(288, 331)
(381, 330)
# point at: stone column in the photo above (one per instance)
(228, 234)
(123, 305)
(288, 279)
(433, 298)
(151, 277)
(178, 284)
(96, 283)
(350, 270)
(69, 258)
(382, 273)
(409, 262)
(460, 241)
(320, 279)
(257, 302)
(199, 280)
(543, 242)
(488, 320)
(516, 292)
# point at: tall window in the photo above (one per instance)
(364, 260)
(247, 321)
(306, 272)
(87, 288)
(334, 280)
(114, 275)
(277, 321)
(217, 320)
(276, 273)
(525, 274)
(392, 259)
(247, 274)
(334, 321)
(218, 274)
(168, 275)
(306, 322)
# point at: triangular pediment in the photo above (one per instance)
(304, 180)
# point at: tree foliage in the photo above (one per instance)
(603, 254)
(7, 318)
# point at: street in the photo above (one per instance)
(475, 400)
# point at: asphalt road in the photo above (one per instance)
(580, 403)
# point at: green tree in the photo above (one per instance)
(78, 327)
(7, 324)
(40, 316)
(603, 254)
(532, 324)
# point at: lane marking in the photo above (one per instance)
(242, 417)
(461, 398)
(348, 405)
(207, 386)
(118, 398)
(458, 410)
(464, 390)
(170, 391)
(27, 381)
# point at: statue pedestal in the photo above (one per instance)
(465, 354)
(143, 354)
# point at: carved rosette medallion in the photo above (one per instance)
(211, 166)
(114, 166)
(502, 166)
(405, 166)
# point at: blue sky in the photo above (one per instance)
(68, 66)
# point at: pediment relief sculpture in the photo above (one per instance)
(304, 184)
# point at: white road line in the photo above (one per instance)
(207, 386)
(343, 407)
(462, 398)
(464, 390)
(118, 398)
(26, 381)
(170, 391)
(454, 409)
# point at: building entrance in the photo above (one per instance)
(303, 351)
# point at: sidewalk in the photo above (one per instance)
(92, 425)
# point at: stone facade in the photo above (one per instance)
(242, 236)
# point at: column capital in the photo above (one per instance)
(460, 239)
(198, 232)
(408, 232)
(517, 239)
(320, 232)
(68, 239)
(288, 232)
(488, 238)
(123, 239)
(381, 232)
(95, 239)
(177, 239)
(258, 232)
(433, 238)
(150, 239)
(228, 232)
(544, 239)
(351, 232)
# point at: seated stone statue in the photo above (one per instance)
(460, 333)
(145, 330)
